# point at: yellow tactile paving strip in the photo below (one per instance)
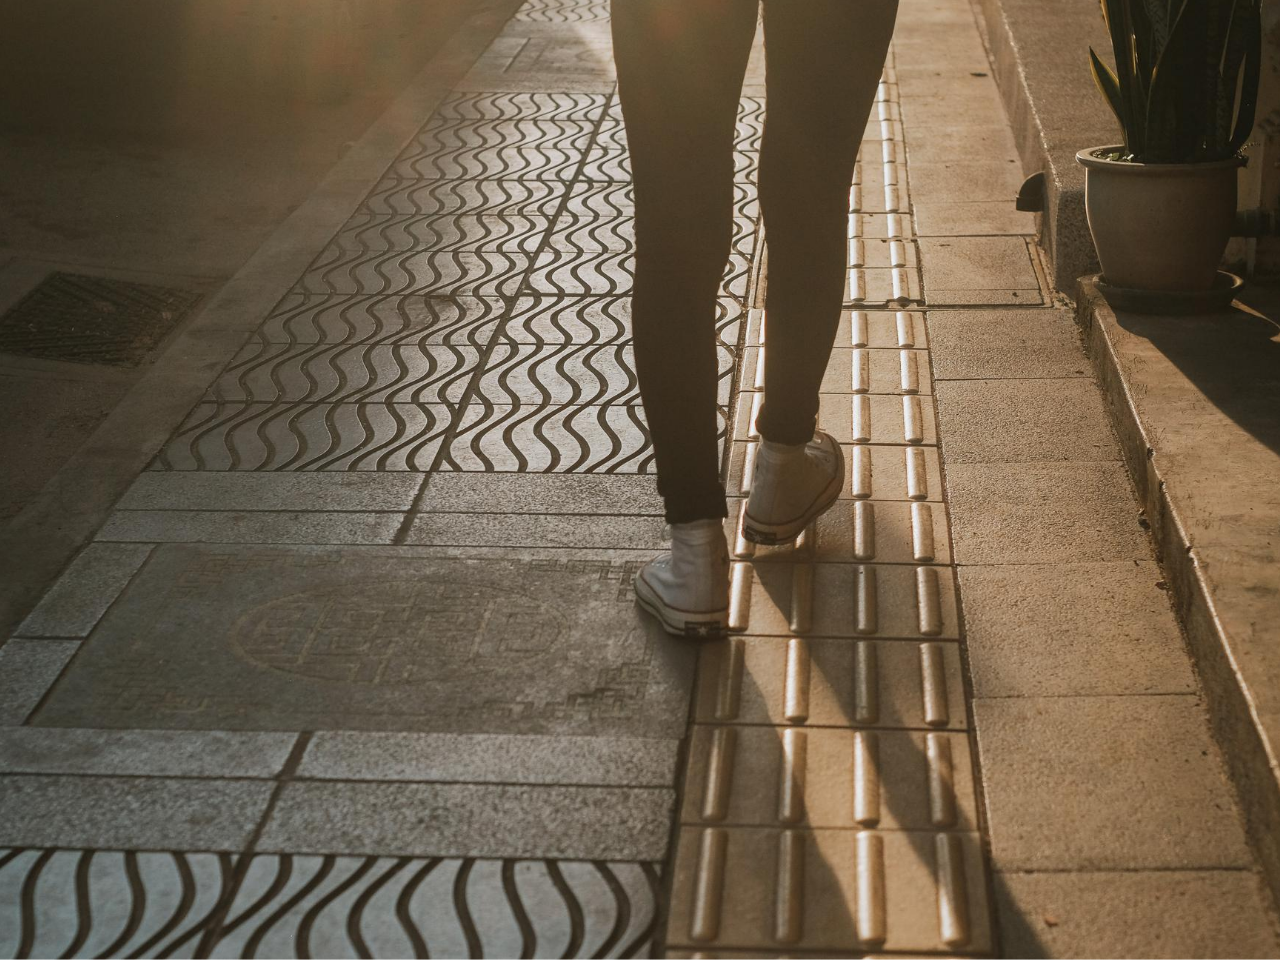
(829, 800)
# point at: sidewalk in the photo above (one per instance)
(353, 668)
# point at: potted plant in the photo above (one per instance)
(1162, 204)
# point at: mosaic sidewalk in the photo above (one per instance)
(354, 669)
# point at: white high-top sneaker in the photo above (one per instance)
(688, 588)
(792, 485)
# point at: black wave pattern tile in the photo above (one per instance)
(400, 320)
(525, 149)
(563, 11)
(578, 107)
(346, 373)
(614, 198)
(366, 234)
(103, 903)
(570, 273)
(243, 435)
(523, 374)
(535, 438)
(747, 136)
(87, 903)
(606, 163)
(590, 235)
(454, 273)
(585, 320)
(399, 196)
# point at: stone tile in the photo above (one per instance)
(82, 594)
(885, 531)
(527, 148)
(1153, 913)
(525, 529)
(470, 820)
(844, 600)
(176, 894)
(616, 199)
(224, 526)
(973, 270)
(1076, 629)
(629, 496)
(596, 320)
(28, 668)
(809, 778)
(948, 218)
(515, 106)
(366, 233)
(318, 905)
(1043, 513)
(996, 344)
(456, 274)
(1124, 782)
(369, 492)
(308, 437)
(1018, 421)
(314, 318)
(410, 196)
(862, 328)
(562, 273)
(151, 753)
(871, 472)
(146, 813)
(299, 638)
(882, 287)
(827, 913)
(942, 142)
(941, 181)
(481, 758)
(831, 683)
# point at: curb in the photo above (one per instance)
(38, 543)
(1250, 758)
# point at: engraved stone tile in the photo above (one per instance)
(397, 907)
(491, 274)
(470, 820)
(571, 374)
(847, 891)
(858, 370)
(882, 286)
(850, 683)
(871, 472)
(609, 274)
(880, 254)
(152, 753)
(400, 196)
(884, 531)
(365, 235)
(521, 149)
(617, 234)
(849, 600)
(880, 226)
(485, 758)
(596, 320)
(129, 812)
(411, 320)
(965, 270)
(224, 526)
(616, 199)
(609, 161)
(321, 373)
(310, 436)
(27, 669)
(300, 638)
(862, 328)
(536, 530)
(82, 594)
(627, 495)
(824, 777)
(300, 492)
(578, 107)
(97, 903)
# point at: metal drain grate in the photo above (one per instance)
(92, 319)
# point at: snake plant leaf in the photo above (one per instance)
(1251, 27)
(1106, 81)
(1157, 14)
(1177, 98)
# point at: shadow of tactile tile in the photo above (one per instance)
(319, 638)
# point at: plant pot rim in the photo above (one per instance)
(1086, 158)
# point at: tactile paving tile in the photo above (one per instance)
(881, 531)
(857, 370)
(860, 328)
(872, 472)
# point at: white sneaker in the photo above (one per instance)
(792, 485)
(688, 588)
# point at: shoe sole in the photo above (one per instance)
(708, 626)
(773, 534)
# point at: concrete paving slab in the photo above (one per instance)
(368, 492)
(1075, 629)
(83, 593)
(486, 758)
(631, 496)
(1020, 421)
(147, 813)
(470, 820)
(1152, 913)
(391, 907)
(991, 344)
(942, 141)
(1043, 513)
(550, 530)
(227, 526)
(28, 668)
(377, 640)
(150, 753)
(941, 181)
(978, 270)
(1127, 782)
(971, 218)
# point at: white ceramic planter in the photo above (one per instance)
(1159, 226)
